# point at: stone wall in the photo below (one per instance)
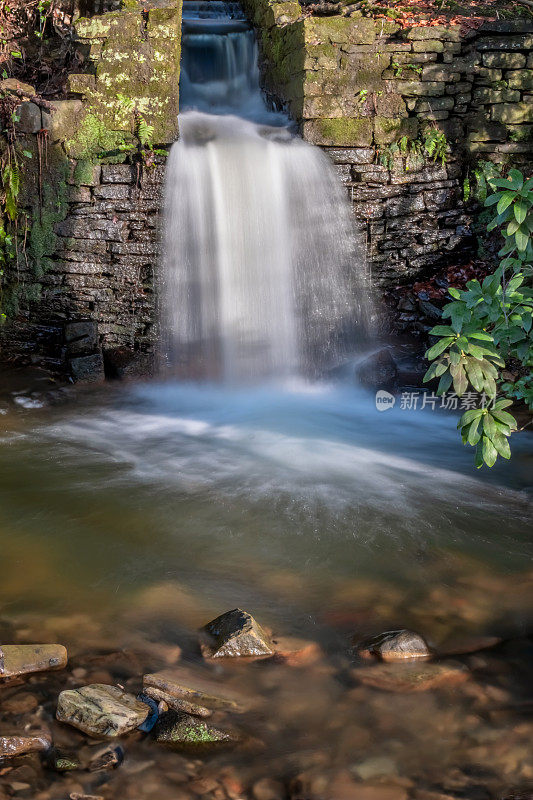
(82, 285)
(374, 95)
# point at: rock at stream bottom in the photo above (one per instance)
(412, 677)
(233, 634)
(184, 732)
(101, 710)
(15, 745)
(23, 659)
(394, 646)
(185, 691)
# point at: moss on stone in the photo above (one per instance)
(338, 132)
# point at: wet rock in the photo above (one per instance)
(235, 634)
(63, 761)
(185, 732)
(105, 759)
(87, 368)
(377, 371)
(23, 659)
(18, 745)
(183, 690)
(81, 337)
(123, 362)
(412, 677)
(429, 310)
(100, 710)
(394, 646)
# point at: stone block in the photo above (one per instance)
(400, 206)
(118, 173)
(64, 120)
(87, 368)
(504, 60)
(450, 33)
(338, 132)
(514, 114)
(390, 130)
(86, 228)
(524, 42)
(351, 155)
(489, 96)
(428, 46)
(436, 104)
(436, 72)
(485, 75)
(29, 118)
(113, 191)
(81, 337)
(520, 78)
(420, 88)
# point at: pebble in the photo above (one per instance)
(101, 710)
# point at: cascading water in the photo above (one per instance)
(260, 276)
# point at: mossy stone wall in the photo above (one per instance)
(358, 86)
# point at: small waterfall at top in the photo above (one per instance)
(261, 277)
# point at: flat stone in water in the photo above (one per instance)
(233, 634)
(394, 646)
(195, 693)
(15, 745)
(23, 659)
(185, 732)
(101, 710)
(412, 677)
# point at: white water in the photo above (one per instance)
(261, 276)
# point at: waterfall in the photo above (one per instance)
(261, 273)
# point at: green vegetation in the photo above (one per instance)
(491, 327)
(431, 143)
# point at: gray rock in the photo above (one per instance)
(184, 732)
(87, 368)
(100, 710)
(23, 659)
(395, 646)
(29, 118)
(81, 337)
(234, 634)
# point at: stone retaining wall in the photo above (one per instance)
(371, 94)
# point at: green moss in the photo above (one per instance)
(42, 240)
(94, 139)
(341, 132)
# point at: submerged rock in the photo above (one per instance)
(192, 693)
(101, 710)
(63, 761)
(23, 659)
(394, 646)
(185, 732)
(234, 634)
(106, 759)
(412, 677)
(15, 745)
